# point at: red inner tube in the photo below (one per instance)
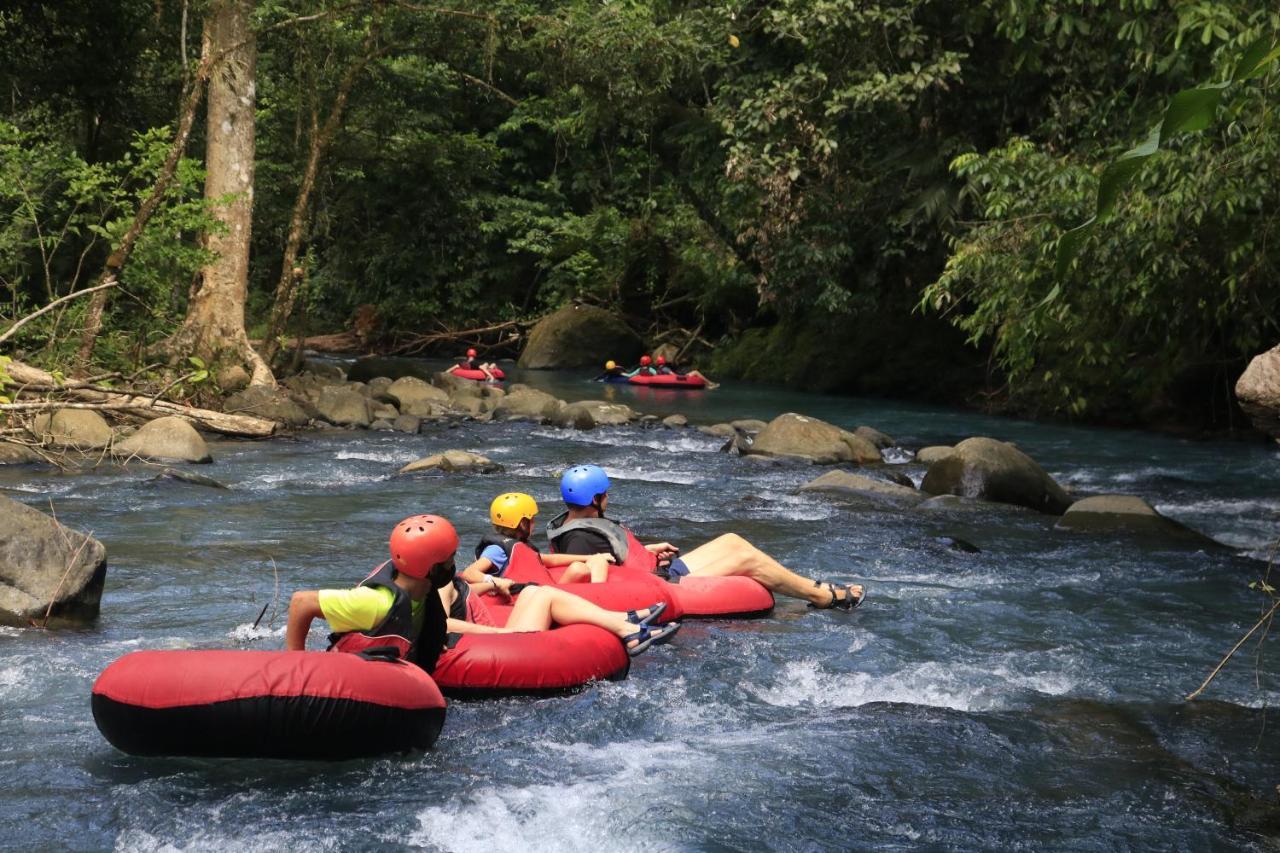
(669, 380)
(478, 375)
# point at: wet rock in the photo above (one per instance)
(891, 476)
(170, 475)
(737, 443)
(1126, 513)
(452, 461)
(376, 389)
(748, 425)
(454, 384)
(530, 404)
(44, 562)
(472, 407)
(408, 424)
(875, 436)
(168, 439)
(18, 454)
(381, 425)
(803, 437)
(415, 397)
(955, 543)
(590, 414)
(580, 336)
(948, 502)
(384, 411)
(78, 429)
(719, 430)
(271, 403)
(327, 371)
(995, 471)
(929, 455)
(342, 406)
(845, 482)
(1258, 391)
(675, 421)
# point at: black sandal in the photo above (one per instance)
(849, 602)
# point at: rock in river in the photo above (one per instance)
(18, 454)
(812, 439)
(453, 460)
(580, 336)
(995, 471)
(845, 482)
(265, 402)
(43, 562)
(168, 439)
(80, 429)
(416, 397)
(1258, 390)
(343, 406)
(1110, 513)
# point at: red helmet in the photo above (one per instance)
(644, 361)
(471, 353)
(662, 359)
(420, 542)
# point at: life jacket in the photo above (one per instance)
(627, 550)
(395, 631)
(506, 543)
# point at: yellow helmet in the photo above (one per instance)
(512, 508)
(610, 364)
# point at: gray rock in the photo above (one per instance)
(18, 454)
(381, 425)
(845, 482)
(272, 403)
(580, 336)
(43, 562)
(525, 403)
(407, 423)
(949, 502)
(1258, 391)
(384, 411)
(453, 460)
(169, 475)
(719, 430)
(892, 476)
(1123, 513)
(79, 429)
(931, 454)
(995, 471)
(168, 439)
(325, 370)
(590, 414)
(415, 397)
(795, 435)
(875, 436)
(342, 406)
(377, 387)
(748, 425)
(675, 421)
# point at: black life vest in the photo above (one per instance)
(395, 631)
(506, 543)
(626, 549)
(458, 610)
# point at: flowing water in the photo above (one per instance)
(1027, 696)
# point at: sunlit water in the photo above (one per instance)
(1023, 697)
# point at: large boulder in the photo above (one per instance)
(528, 404)
(931, 454)
(809, 438)
(1258, 390)
(343, 406)
(847, 483)
(453, 460)
(416, 397)
(995, 471)
(266, 402)
(43, 562)
(18, 454)
(589, 414)
(875, 436)
(580, 336)
(168, 439)
(79, 429)
(749, 425)
(1124, 513)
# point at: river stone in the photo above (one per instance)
(326, 370)
(80, 429)
(18, 454)
(1258, 391)
(266, 402)
(167, 439)
(849, 483)
(749, 425)
(948, 502)
(931, 454)
(589, 414)
(376, 389)
(407, 423)
(580, 336)
(174, 474)
(384, 411)
(381, 425)
(453, 460)
(995, 471)
(43, 561)
(875, 436)
(415, 397)
(809, 438)
(675, 421)
(343, 406)
(719, 430)
(1107, 513)
(525, 403)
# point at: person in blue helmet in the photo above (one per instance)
(584, 529)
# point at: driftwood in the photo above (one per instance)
(85, 395)
(471, 337)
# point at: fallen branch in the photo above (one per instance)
(418, 343)
(12, 330)
(1265, 618)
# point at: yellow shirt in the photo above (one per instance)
(360, 608)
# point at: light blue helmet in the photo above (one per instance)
(581, 483)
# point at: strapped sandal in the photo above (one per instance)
(654, 612)
(848, 602)
(649, 636)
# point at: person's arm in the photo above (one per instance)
(460, 626)
(662, 549)
(498, 586)
(477, 571)
(304, 607)
(553, 561)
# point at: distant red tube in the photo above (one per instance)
(669, 380)
(479, 375)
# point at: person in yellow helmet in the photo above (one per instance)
(513, 515)
(613, 372)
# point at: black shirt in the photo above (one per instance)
(584, 542)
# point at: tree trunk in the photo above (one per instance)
(214, 326)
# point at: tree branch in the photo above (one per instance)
(54, 304)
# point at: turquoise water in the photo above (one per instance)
(1027, 696)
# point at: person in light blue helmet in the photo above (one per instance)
(584, 529)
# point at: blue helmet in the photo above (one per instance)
(581, 483)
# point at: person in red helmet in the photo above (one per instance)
(472, 362)
(392, 612)
(645, 368)
(662, 365)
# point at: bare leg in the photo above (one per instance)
(577, 572)
(538, 607)
(730, 554)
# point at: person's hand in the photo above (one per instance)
(662, 549)
(501, 588)
(607, 557)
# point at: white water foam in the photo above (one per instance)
(247, 633)
(670, 442)
(394, 457)
(140, 841)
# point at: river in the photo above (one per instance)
(1027, 696)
